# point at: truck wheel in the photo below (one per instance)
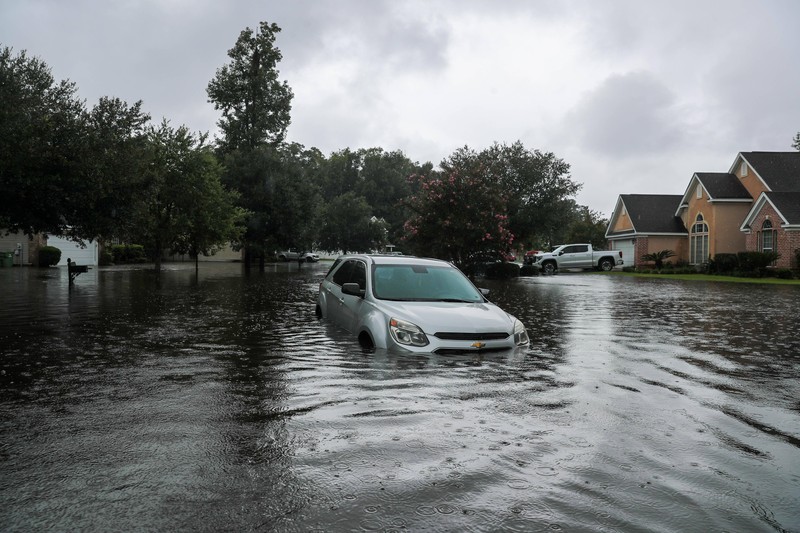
(549, 267)
(606, 265)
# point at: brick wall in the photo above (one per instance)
(788, 241)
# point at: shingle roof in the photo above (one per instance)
(780, 170)
(721, 185)
(654, 213)
(788, 203)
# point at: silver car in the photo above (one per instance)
(407, 303)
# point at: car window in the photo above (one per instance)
(583, 248)
(332, 268)
(359, 275)
(416, 282)
(342, 276)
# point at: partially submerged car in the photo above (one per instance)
(405, 303)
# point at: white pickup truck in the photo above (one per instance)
(577, 256)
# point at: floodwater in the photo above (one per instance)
(220, 403)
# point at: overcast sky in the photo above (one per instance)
(635, 95)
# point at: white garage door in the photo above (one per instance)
(72, 250)
(626, 245)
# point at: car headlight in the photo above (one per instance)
(407, 333)
(520, 334)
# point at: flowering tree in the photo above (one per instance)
(459, 214)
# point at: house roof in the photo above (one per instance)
(650, 214)
(722, 185)
(780, 171)
(787, 205)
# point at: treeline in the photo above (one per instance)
(109, 172)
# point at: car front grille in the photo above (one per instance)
(491, 336)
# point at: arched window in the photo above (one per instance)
(767, 237)
(698, 241)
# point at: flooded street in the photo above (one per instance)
(219, 402)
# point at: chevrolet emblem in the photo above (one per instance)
(478, 345)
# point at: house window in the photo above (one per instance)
(767, 238)
(698, 241)
(698, 191)
(743, 169)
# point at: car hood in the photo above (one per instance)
(435, 317)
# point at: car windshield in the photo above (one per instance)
(423, 283)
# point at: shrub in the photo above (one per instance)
(723, 264)
(502, 270)
(49, 256)
(658, 257)
(784, 273)
(756, 263)
(106, 258)
(128, 253)
(797, 259)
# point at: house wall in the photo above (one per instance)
(28, 254)
(623, 222)
(751, 182)
(725, 236)
(788, 241)
(668, 242)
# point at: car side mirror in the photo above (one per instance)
(485, 292)
(353, 289)
(561, 252)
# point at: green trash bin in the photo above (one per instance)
(6, 259)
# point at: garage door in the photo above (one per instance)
(72, 250)
(626, 245)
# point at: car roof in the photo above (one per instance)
(379, 259)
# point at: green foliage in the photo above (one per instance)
(746, 264)
(348, 225)
(255, 105)
(797, 259)
(784, 273)
(49, 256)
(585, 225)
(658, 257)
(106, 258)
(41, 132)
(181, 205)
(128, 253)
(502, 270)
(796, 141)
(723, 264)
(539, 191)
(459, 214)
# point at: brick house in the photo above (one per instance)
(755, 206)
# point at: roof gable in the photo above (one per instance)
(650, 214)
(786, 204)
(780, 171)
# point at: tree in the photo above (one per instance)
(796, 141)
(348, 225)
(211, 216)
(181, 188)
(255, 109)
(460, 213)
(585, 226)
(538, 185)
(110, 171)
(255, 105)
(42, 125)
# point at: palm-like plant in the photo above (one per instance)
(658, 257)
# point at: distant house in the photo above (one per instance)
(755, 206)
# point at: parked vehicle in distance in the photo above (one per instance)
(405, 303)
(529, 255)
(577, 256)
(295, 255)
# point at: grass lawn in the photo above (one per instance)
(708, 277)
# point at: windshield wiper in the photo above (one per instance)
(457, 300)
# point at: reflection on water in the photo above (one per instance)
(218, 402)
